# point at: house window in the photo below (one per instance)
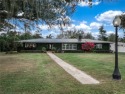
(69, 46)
(98, 46)
(30, 45)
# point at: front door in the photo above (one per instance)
(50, 47)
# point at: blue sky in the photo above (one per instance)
(90, 19)
(101, 13)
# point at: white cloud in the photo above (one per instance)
(107, 16)
(46, 33)
(20, 14)
(55, 30)
(85, 3)
(95, 25)
(120, 33)
(110, 32)
(84, 27)
(96, 3)
(95, 34)
(84, 22)
(43, 27)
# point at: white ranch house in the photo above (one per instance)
(121, 47)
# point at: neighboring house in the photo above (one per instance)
(121, 47)
(63, 45)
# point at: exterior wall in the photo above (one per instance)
(105, 46)
(69, 46)
(121, 47)
(40, 46)
(29, 47)
(79, 46)
(49, 46)
(58, 47)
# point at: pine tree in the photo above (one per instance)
(102, 34)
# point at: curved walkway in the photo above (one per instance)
(79, 75)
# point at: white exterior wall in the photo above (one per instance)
(121, 47)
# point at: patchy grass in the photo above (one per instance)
(33, 74)
(100, 66)
(36, 73)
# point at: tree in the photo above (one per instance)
(111, 37)
(71, 34)
(49, 36)
(5, 25)
(88, 36)
(102, 34)
(122, 25)
(26, 35)
(49, 11)
(37, 35)
(2, 42)
(8, 41)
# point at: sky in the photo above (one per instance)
(101, 13)
(89, 19)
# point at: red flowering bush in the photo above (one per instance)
(88, 46)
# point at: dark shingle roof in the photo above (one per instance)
(40, 40)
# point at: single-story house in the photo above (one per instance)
(121, 47)
(63, 45)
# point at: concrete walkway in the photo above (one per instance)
(79, 75)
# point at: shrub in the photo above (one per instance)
(43, 49)
(88, 46)
(54, 49)
(58, 50)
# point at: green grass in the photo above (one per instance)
(33, 74)
(101, 67)
(36, 73)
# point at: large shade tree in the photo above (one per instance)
(122, 16)
(51, 12)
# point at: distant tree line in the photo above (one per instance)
(71, 34)
(111, 37)
(103, 36)
(8, 40)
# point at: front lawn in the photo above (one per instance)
(101, 67)
(36, 73)
(32, 73)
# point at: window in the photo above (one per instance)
(30, 45)
(98, 46)
(69, 46)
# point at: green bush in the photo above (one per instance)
(43, 49)
(54, 49)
